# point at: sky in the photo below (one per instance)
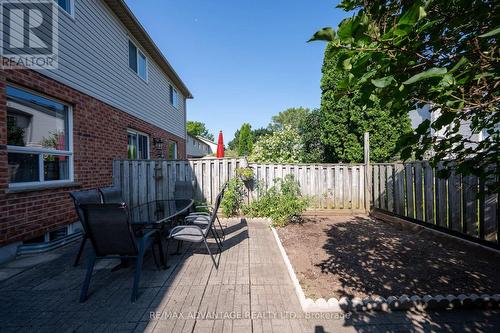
(243, 60)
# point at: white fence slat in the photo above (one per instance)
(410, 207)
(419, 202)
(390, 188)
(151, 181)
(376, 187)
(330, 188)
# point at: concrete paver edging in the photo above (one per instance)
(380, 303)
(307, 304)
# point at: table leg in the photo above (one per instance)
(162, 253)
(179, 245)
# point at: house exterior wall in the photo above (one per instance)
(99, 136)
(93, 58)
(197, 148)
(212, 145)
(418, 115)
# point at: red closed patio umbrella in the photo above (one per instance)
(220, 146)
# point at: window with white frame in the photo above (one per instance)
(138, 145)
(172, 150)
(174, 97)
(67, 5)
(137, 61)
(39, 139)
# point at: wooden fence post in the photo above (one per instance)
(368, 178)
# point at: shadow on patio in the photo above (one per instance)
(435, 321)
(250, 292)
(45, 296)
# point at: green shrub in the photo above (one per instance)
(233, 197)
(246, 174)
(282, 203)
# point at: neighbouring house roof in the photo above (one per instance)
(125, 15)
(207, 141)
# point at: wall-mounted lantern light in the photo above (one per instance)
(158, 142)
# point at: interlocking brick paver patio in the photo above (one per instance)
(188, 297)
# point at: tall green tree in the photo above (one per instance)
(284, 146)
(310, 134)
(256, 135)
(344, 120)
(259, 133)
(233, 144)
(245, 140)
(197, 128)
(292, 117)
(398, 54)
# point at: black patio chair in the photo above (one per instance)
(183, 190)
(81, 198)
(196, 234)
(200, 218)
(111, 194)
(112, 237)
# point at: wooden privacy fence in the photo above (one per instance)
(146, 180)
(409, 190)
(338, 186)
(329, 186)
(414, 191)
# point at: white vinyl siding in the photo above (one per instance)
(94, 59)
(196, 147)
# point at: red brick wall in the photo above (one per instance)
(99, 136)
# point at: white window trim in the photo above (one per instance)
(133, 131)
(175, 92)
(139, 51)
(40, 151)
(71, 12)
(176, 150)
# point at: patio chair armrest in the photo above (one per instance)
(210, 208)
(190, 219)
(191, 226)
(203, 206)
(199, 214)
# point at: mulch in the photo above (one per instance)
(357, 256)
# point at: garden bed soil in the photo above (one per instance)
(358, 256)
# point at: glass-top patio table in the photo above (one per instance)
(160, 214)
